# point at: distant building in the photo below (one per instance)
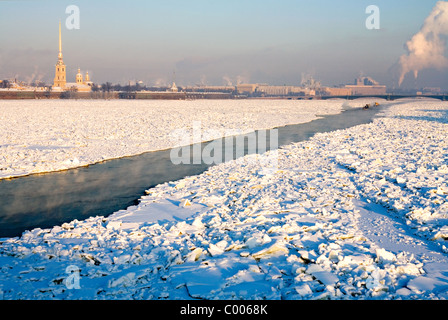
(268, 90)
(273, 90)
(365, 81)
(365, 86)
(367, 90)
(173, 88)
(337, 91)
(209, 88)
(293, 90)
(309, 82)
(60, 78)
(81, 84)
(246, 88)
(284, 90)
(429, 90)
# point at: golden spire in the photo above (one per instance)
(60, 42)
(60, 79)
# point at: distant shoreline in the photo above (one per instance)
(162, 95)
(142, 95)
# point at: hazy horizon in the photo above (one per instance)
(214, 43)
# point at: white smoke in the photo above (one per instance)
(203, 80)
(242, 79)
(161, 82)
(239, 79)
(227, 80)
(426, 49)
(36, 76)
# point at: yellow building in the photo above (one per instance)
(87, 79)
(338, 91)
(79, 77)
(81, 84)
(365, 86)
(367, 90)
(246, 88)
(60, 78)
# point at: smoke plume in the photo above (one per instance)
(227, 80)
(426, 49)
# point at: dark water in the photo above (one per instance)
(46, 200)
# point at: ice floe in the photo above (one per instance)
(351, 214)
(50, 135)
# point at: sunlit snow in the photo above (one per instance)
(358, 213)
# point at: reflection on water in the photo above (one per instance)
(46, 200)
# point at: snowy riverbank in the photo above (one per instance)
(50, 135)
(351, 214)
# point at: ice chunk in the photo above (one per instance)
(424, 283)
(213, 200)
(303, 290)
(327, 278)
(352, 261)
(113, 225)
(410, 269)
(307, 256)
(123, 259)
(214, 250)
(218, 248)
(198, 223)
(257, 240)
(401, 180)
(194, 255)
(180, 184)
(127, 280)
(404, 292)
(384, 257)
(276, 249)
(201, 281)
(185, 203)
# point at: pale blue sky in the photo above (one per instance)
(212, 42)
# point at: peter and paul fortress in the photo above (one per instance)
(82, 84)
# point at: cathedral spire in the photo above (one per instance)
(60, 42)
(60, 72)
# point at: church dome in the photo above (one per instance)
(79, 77)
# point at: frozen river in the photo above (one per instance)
(357, 213)
(46, 200)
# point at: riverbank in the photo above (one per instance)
(92, 95)
(310, 230)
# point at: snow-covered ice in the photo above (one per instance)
(48, 135)
(350, 214)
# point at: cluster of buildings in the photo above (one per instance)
(268, 90)
(81, 84)
(362, 86)
(308, 88)
(366, 86)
